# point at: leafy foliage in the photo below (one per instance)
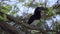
(5, 9)
(32, 4)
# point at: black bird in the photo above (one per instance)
(36, 15)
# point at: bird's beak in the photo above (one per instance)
(43, 8)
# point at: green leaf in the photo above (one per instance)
(5, 17)
(1, 18)
(5, 9)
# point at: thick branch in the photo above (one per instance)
(4, 26)
(26, 25)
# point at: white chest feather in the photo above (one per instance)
(35, 22)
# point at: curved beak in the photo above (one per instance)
(43, 8)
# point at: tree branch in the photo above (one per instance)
(4, 26)
(26, 25)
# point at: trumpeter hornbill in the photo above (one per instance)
(36, 15)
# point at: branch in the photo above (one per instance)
(26, 25)
(4, 26)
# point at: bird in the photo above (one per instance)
(36, 15)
